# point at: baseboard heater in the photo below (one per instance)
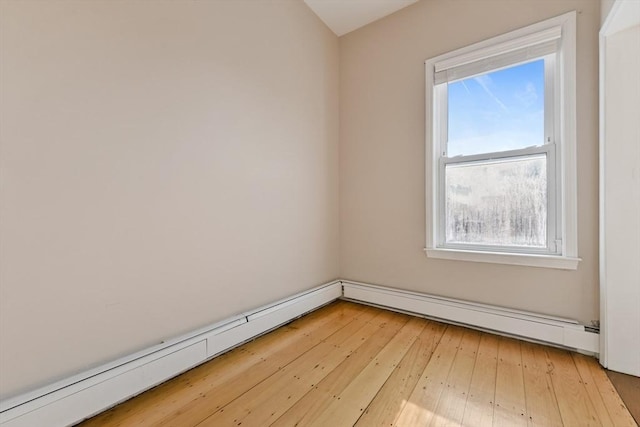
(527, 325)
(74, 399)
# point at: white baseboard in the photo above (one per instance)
(547, 329)
(76, 398)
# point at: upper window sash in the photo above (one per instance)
(440, 97)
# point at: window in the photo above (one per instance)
(501, 183)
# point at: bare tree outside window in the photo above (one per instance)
(500, 203)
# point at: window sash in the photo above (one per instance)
(549, 150)
(441, 107)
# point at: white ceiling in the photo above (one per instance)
(344, 16)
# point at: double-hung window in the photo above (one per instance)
(501, 183)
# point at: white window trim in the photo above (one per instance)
(566, 171)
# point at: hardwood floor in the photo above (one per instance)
(348, 364)
(629, 389)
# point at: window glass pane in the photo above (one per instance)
(497, 202)
(498, 111)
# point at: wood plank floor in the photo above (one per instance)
(348, 364)
(629, 389)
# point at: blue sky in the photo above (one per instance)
(497, 111)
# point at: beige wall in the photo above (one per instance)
(163, 165)
(382, 166)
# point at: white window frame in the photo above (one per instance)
(560, 124)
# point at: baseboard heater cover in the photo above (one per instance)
(81, 396)
(548, 329)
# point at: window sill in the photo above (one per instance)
(544, 261)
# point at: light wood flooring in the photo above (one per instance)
(348, 364)
(629, 389)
